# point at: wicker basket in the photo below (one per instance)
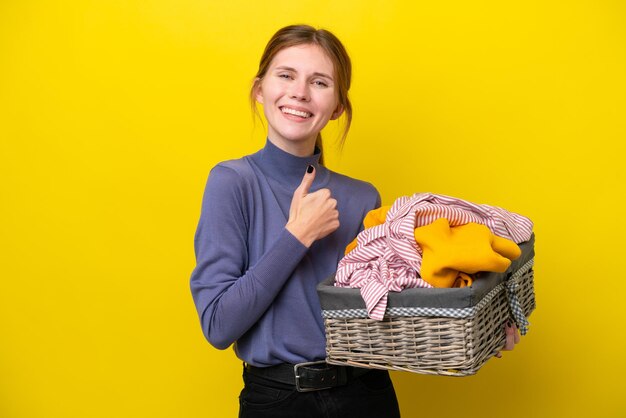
(430, 337)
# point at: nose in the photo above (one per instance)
(299, 91)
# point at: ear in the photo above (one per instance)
(338, 112)
(258, 93)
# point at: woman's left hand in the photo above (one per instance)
(512, 338)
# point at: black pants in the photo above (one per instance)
(369, 395)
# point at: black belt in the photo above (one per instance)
(307, 377)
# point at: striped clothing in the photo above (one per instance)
(387, 258)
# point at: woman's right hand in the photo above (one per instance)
(312, 216)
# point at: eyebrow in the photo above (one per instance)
(315, 74)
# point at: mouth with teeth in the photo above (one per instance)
(294, 112)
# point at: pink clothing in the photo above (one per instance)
(387, 258)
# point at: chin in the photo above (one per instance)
(298, 138)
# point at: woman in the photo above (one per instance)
(273, 225)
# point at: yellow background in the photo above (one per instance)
(113, 112)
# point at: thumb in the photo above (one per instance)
(307, 181)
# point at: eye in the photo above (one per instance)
(320, 83)
(286, 76)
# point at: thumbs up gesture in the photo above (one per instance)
(312, 216)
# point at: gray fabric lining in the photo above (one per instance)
(338, 298)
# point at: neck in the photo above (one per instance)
(304, 148)
(287, 168)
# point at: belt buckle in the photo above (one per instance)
(297, 376)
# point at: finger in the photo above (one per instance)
(510, 338)
(307, 181)
(498, 354)
(322, 194)
(516, 334)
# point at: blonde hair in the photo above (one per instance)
(302, 35)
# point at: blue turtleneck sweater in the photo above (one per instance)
(254, 283)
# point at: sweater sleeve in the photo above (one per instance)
(229, 295)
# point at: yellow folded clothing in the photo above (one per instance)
(468, 248)
(463, 280)
(376, 217)
(451, 255)
(372, 218)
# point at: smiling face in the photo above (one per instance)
(299, 97)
